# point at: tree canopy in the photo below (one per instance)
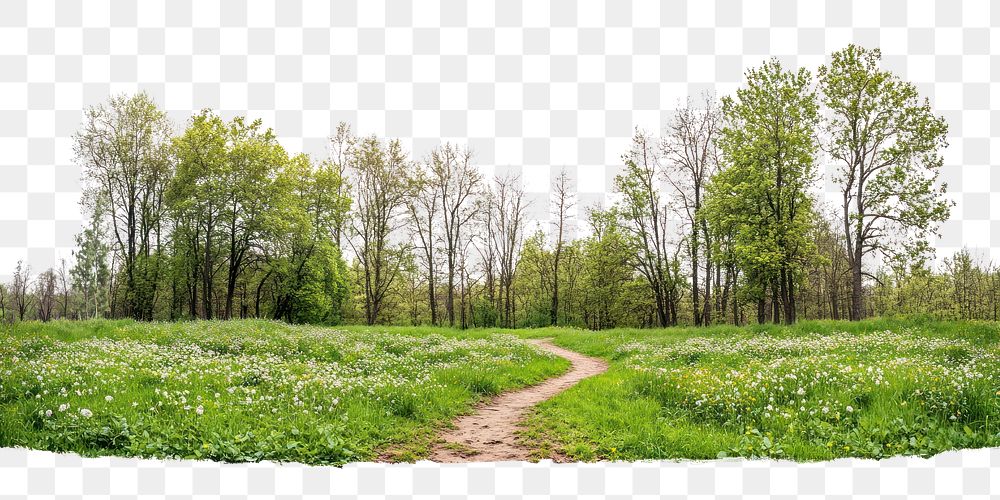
(714, 220)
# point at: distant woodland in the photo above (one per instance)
(218, 221)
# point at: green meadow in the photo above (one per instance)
(259, 390)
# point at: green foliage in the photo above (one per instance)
(310, 275)
(769, 145)
(90, 272)
(254, 223)
(123, 148)
(886, 142)
(322, 287)
(219, 221)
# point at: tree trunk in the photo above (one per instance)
(451, 289)
(432, 295)
(834, 300)
(857, 289)
(662, 317)
(695, 304)
(706, 315)
(207, 278)
(788, 299)
(775, 304)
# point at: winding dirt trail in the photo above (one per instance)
(488, 435)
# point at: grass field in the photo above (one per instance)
(247, 390)
(815, 391)
(256, 390)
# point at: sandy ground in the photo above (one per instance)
(488, 435)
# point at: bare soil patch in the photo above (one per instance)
(489, 434)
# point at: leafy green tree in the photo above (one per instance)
(123, 148)
(225, 201)
(533, 281)
(320, 287)
(254, 158)
(90, 273)
(310, 273)
(886, 142)
(196, 200)
(606, 270)
(769, 145)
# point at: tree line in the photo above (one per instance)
(714, 220)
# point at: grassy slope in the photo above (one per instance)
(632, 414)
(247, 390)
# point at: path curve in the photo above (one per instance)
(489, 434)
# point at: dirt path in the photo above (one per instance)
(488, 435)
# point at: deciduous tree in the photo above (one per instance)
(645, 214)
(886, 141)
(691, 159)
(123, 148)
(769, 145)
(562, 202)
(381, 187)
